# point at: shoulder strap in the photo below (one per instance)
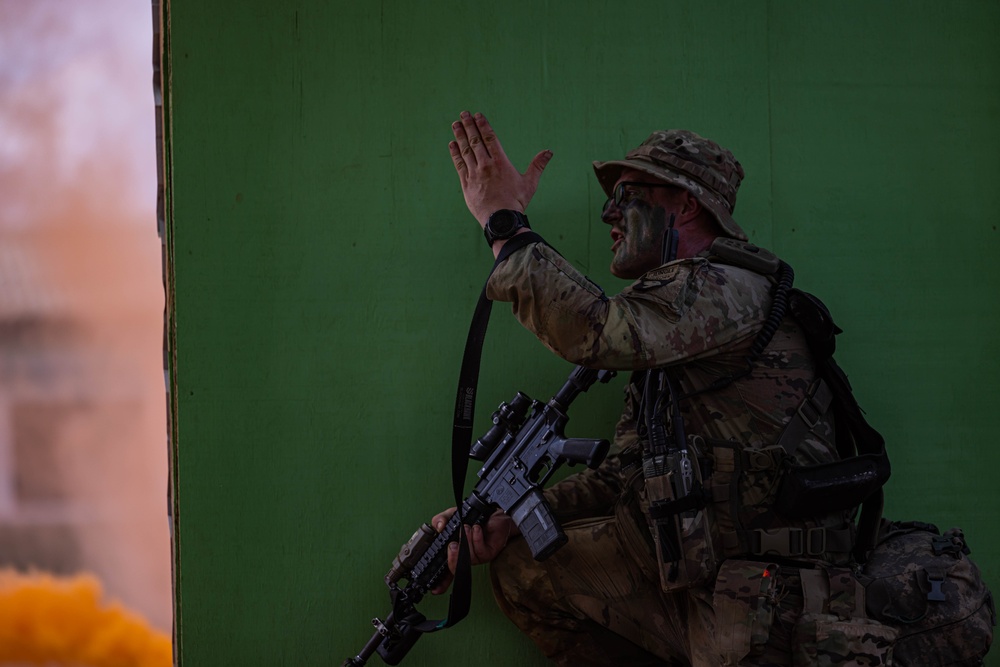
(860, 446)
(461, 435)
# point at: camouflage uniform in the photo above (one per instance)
(600, 600)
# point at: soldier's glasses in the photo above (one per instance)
(628, 191)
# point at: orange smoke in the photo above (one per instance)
(46, 620)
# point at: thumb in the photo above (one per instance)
(537, 166)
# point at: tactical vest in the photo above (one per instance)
(698, 521)
(887, 593)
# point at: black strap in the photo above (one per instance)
(812, 408)
(461, 434)
(667, 509)
(867, 441)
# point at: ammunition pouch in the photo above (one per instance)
(833, 628)
(919, 600)
(830, 628)
(681, 532)
(736, 487)
(745, 597)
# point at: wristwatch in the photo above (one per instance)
(503, 224)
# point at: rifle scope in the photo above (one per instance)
(507, 419)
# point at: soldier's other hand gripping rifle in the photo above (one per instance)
(520, 453)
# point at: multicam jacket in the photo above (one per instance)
(698, 319)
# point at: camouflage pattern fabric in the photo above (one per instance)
(697, 319)
(583, 608)
(833, 629)
(580, 607)
(745, 600)
(692, 316)
(699, 165)
(924, 584)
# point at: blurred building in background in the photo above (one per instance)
(43, 385)
(83, 450)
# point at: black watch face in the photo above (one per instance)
(502, 224)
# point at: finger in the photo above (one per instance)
(490, 139)
(460, 166)
(462, 139)
(535, 169)
(499, 534)
(443, 586)
(476, 145)
(449, 576)
(440, 520)
(477, 545)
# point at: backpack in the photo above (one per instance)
(923, 584)
(917, 581)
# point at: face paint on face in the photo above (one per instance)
(638, 239)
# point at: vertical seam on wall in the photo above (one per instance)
(770, 128)
(164, 224)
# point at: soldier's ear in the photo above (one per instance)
(689, 207)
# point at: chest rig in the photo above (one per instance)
(691, 531)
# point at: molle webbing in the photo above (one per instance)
(792, 542)
(764, 467)
(831, 590)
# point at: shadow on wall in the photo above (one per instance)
(83, 453)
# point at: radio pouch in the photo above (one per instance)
(680, 528)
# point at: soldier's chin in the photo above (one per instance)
(623, 271)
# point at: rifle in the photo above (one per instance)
(520, 454)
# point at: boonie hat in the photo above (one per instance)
(700, 166)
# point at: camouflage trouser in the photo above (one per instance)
(592, 604)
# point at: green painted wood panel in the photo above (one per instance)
(323, 267)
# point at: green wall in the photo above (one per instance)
(322, 268)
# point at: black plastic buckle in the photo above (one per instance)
(936, 580)
(782, 542)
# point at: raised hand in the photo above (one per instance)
(489, 180)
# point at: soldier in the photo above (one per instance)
(686, 329)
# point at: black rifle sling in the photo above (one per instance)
(461, 436)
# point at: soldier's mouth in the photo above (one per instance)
(617, 238)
